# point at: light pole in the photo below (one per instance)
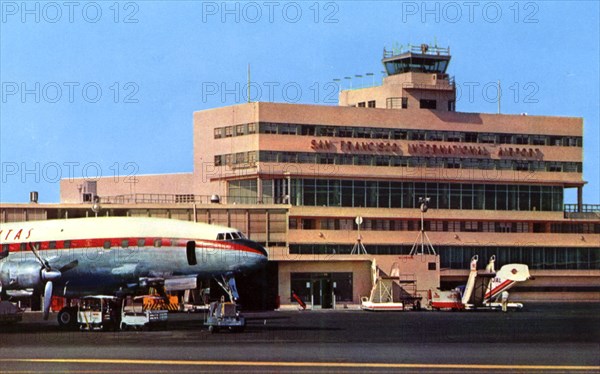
(422, 240)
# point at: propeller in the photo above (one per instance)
(48, 275)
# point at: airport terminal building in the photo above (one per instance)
(295, 178)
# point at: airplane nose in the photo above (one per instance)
(254, 245)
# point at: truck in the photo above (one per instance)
(96, 313)
(136, 314)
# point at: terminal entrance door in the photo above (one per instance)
(321, 291)
(318, 290)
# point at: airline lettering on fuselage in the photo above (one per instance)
(17, 235)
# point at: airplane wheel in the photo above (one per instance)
(66, 318)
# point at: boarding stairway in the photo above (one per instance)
(394, 288)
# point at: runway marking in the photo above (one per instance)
(298, 364)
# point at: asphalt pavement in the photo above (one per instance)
(540, 338)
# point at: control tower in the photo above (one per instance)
(415, 78)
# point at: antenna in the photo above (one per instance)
(248, 85)
(499, 95)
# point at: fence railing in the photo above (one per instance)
(146, 198)
(585, 208)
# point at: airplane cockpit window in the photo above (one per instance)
(228, 236)
(235, 235)
(220, 236)
(241, 234)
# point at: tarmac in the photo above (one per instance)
(539, 338)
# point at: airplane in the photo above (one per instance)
(494, 284)
(107, 255)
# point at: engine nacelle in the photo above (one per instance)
(19, 276)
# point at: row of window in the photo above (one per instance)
(459, 257)
(377, 224)
(385, 194)
(115, 243)
(237, 130)
(364, 132)
(398, 161)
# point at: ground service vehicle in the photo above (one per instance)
(224, 315)
(135, 314)
(96, 312)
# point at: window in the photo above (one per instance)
(141, 242)
(240, 130)
(106, 244)
(228, 132)
(218, 160)
(157, 243)
(218, 133)
(471, 226)
(252, 128)
(124, 243)
(404, 102)
(371, 104)
(427, 104)
(361, 104)
(451, 105)
(487, 138)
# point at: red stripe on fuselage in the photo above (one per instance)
(124, 243)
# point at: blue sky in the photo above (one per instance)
(94, 88)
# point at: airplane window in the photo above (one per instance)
(221, 236)
(228, 236)
(241, 234)
(235, 235)
(141, 242)
(107, 244)
(4, 252)
(67, 244)
(23, 246)
(52, 245)
(157, 243)
(125, 243)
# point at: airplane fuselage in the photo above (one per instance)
(100, 255)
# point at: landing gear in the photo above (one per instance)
(67, 318)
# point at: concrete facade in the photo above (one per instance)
(497, 182)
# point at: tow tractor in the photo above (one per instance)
(224, 315)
